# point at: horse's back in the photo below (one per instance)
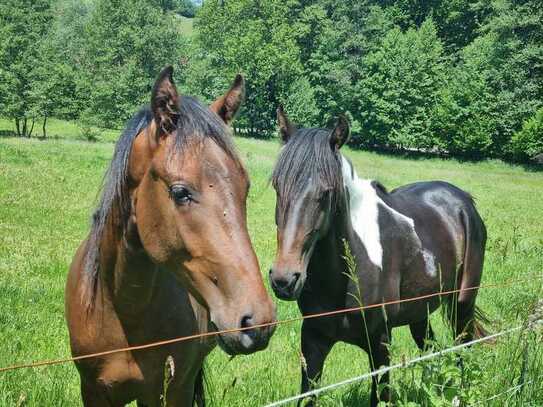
(432, 193)
(445, 201)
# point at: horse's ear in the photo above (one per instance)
(341, 133)
(286, 128)
(228, 105)
(165, 103)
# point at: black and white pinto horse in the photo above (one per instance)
(418, 239)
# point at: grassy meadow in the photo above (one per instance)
(47, 193)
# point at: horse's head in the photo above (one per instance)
(190, 210)
(307, 179)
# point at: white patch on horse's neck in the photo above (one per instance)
(363, 204)
(364, 207)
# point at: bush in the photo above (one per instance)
(89, 133)
(528, 142)
(300, 103)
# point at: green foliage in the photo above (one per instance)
(301, 104)
(23, 24)
(464, 118)
(336, 38)
(254, 38)
(61, 88)
(455, 76)
(451, 379)
(55, 91)
(457, 21)
(515, 74)
(399, 90)
(185, 8)
(528, 142)
(126, 45)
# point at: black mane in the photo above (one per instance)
(307, 157)
(195, 123)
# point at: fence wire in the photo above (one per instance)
(392, 367)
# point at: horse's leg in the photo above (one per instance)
(199, 396)
(379, 356)
(315, 348)
(422, 332)
(181, 391)
(464, 313)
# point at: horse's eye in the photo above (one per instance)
(180, 194)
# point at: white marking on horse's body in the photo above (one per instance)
(364, 212)
(430, 262)
(364, 206)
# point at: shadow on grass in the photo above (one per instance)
(415, 155)
(12, 134)
(532, 167)
(8, 133)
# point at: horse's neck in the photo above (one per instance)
(333, 275)
(128, 274)
(328, 267)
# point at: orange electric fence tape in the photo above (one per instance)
(506, 283)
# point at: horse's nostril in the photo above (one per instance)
(246, 321)
(281, 282)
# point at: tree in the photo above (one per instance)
(185, 8)
(457, 21)
(255, 38)
(55, 87)
(301, 104)
(465, 118)
(516, 66)
(126, 45)
(399, 89)
(23, 23)
(336, 38)
(496, 84)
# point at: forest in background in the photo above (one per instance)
(463, 77)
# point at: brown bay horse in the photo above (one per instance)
(418, 239)
(168, 255)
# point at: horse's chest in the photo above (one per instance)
(120, 369)
(140, 373)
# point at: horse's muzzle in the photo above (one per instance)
(286, 285)
(250, 339)
(254, 337)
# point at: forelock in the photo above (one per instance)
(307, 158)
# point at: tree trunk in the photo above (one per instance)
(18, 127)
(31, 129)
(25, 121)
(44, 133)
